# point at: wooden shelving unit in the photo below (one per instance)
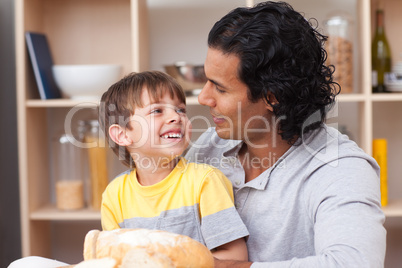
(129, 32)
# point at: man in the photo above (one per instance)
(307, 194)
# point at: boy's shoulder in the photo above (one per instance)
(200, 169)
(120, 179)
(124, 173)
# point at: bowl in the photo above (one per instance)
(191, 77)
(85, 82)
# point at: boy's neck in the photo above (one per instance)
(155, 172)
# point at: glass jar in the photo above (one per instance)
(339, 47)
(97, 159)
(68, 173)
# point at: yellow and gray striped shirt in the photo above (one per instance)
(194, 200)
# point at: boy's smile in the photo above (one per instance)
(172, 135)
(159, 129)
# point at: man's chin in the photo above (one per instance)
(225, 133)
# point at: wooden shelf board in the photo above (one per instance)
(386, 97)
(393, 209)
(350, 97)
(50, 212)
(60, 103)
(193, 100)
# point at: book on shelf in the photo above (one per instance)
(42, 62)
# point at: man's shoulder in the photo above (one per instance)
(328, 144)
(328, 149)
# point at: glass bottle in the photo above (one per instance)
(68, 174)
(339, 47)
(97, 158)
(380, 55)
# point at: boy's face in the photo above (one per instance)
(159, 130)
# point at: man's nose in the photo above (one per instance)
(205, 97)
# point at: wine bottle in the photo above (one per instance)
(380, 55)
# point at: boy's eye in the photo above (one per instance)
(156, 111)
(181, 110)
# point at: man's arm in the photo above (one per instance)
(235, 250)
(231, 264)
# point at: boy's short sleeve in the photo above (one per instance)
(220, 222)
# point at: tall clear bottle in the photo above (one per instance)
(97, 153)
(68, 174)
(380, 54)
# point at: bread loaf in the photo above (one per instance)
(97, 263)
(146, 248)
(140, 257)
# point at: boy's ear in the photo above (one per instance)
(119, 136)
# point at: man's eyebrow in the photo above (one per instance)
(216, 83)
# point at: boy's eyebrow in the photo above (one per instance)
(161, 103)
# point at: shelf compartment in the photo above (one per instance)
(84, 31)
(387, 125)
(50, 212)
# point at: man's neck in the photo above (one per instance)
(256, 159)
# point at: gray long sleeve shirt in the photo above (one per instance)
(317, 206)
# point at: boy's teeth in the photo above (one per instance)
(172, 135)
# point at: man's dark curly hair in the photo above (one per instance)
(281, 54)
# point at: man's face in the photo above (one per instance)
(235, 116)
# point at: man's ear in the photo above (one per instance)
(119, 135)
(270, 101)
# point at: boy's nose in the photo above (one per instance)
(173, 116)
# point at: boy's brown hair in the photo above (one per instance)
(120, 100)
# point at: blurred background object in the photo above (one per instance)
(191, 77)
(339, 47)
(85, 82)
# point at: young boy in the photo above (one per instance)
(144, 119)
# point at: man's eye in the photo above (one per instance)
(219, 90)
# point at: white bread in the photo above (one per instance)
(140, 257)
(98, 263)
(142, 246)
(90, 240)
